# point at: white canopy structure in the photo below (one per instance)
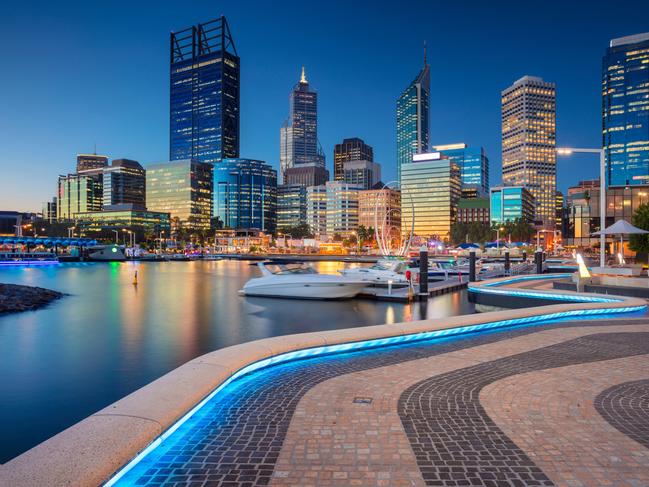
(621, 228)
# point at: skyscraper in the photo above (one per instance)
(413, 118)
(474, 168)
(299, 135)
(362, 173)
(87, 162)
(625, 111)
(529, 142)
(354, 149)
(291, 206)
(125, 184)
(204, 105)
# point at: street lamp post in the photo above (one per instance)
(116, 236)
(602, 195)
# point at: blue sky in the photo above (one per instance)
(76, 74)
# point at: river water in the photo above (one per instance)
(108, 338)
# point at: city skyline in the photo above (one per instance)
(139, 133)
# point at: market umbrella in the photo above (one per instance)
(469, 246)
(621, 228)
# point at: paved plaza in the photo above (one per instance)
(555, 404)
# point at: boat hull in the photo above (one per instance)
(305, 290)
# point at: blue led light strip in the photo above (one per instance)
(363, 345)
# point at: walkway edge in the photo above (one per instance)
(91, 451)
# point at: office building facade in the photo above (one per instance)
(473, 210)
(353, 149)
(474, 168)
(183, 189)
(342, 208)
(431, 185)
(316, 210)
(124, 183)
(77, 193)
(625, 111)
(87, 162)
(362, 173)
(380, 207)
(141, 221)
(299, 144)
(529, 143)
(205, 92)
(306, 175)
(245, 194)
(413, 133)
(511, 203)
(291, 206)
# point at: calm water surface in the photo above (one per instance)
(108, 337)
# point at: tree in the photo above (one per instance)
(299, 231)
(640, 242)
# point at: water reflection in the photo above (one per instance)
(109, 337)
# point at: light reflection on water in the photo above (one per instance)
(108, 338)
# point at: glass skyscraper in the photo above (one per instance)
(299, 135)
(412, 118)
(125, 184)
(529, 142)
(204, 104)
(245, 194)
(625, 111)
(353, 149)
(291, 206)
(509, 203)
(474, 167)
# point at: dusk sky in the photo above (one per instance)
(76, 74)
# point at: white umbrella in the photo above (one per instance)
(621, 227)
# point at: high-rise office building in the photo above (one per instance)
(625, 111)
(49, 210)
(316, 209)
(204, 104)
(291, 206)
(413, 118)
(245, 194)
(510, 203)
(430, 184)
(78, 193)
(354, 149)
(182, 188)
(380, 206)
(529, 142)
(299, 144)
(87, 162)
(306, 175)
(362, 173)
(124, 184)
(474, 168)
(342, 208)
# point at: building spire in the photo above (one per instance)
(303, 77)
(425, 61)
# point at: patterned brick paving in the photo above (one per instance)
(626, 408)
(237, 438)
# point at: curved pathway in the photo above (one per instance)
(247, 438)
(626, 408)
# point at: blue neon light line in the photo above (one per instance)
(362, 345)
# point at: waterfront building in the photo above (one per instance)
(120, 217)
(49, 210)
(77, 193)
(473, 210)
(204, 93)
(353, 149)
(124, 182)
(529, 142)
(299, 144)
(559, 208)
(182, 188)
(291, 206)
(510, 203)
(342, 208)
(625, 111)
(431, 183)
(245, 194)
(385, 203)
(316, 209)
(413, 118)
(474, 168)
(87, 162)
(306, 175)
(362, 173)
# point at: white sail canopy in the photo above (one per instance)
(621, 227)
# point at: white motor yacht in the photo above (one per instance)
(107, 253)
(383, 271)
(300, 282)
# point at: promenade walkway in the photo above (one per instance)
(558, 404)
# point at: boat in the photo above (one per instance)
(106, 253)
(27, 258)
(383, 272)
(298, 281)
(212, 257)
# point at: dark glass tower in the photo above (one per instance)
(354, 149)
(204, 104)
(625, 111)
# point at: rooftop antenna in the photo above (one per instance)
(95, 148)
(303, 77)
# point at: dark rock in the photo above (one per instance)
(24, 298)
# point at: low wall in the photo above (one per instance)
(90, 452)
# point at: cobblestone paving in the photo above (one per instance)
(235, 440)
(626, 408)
(457, 443)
